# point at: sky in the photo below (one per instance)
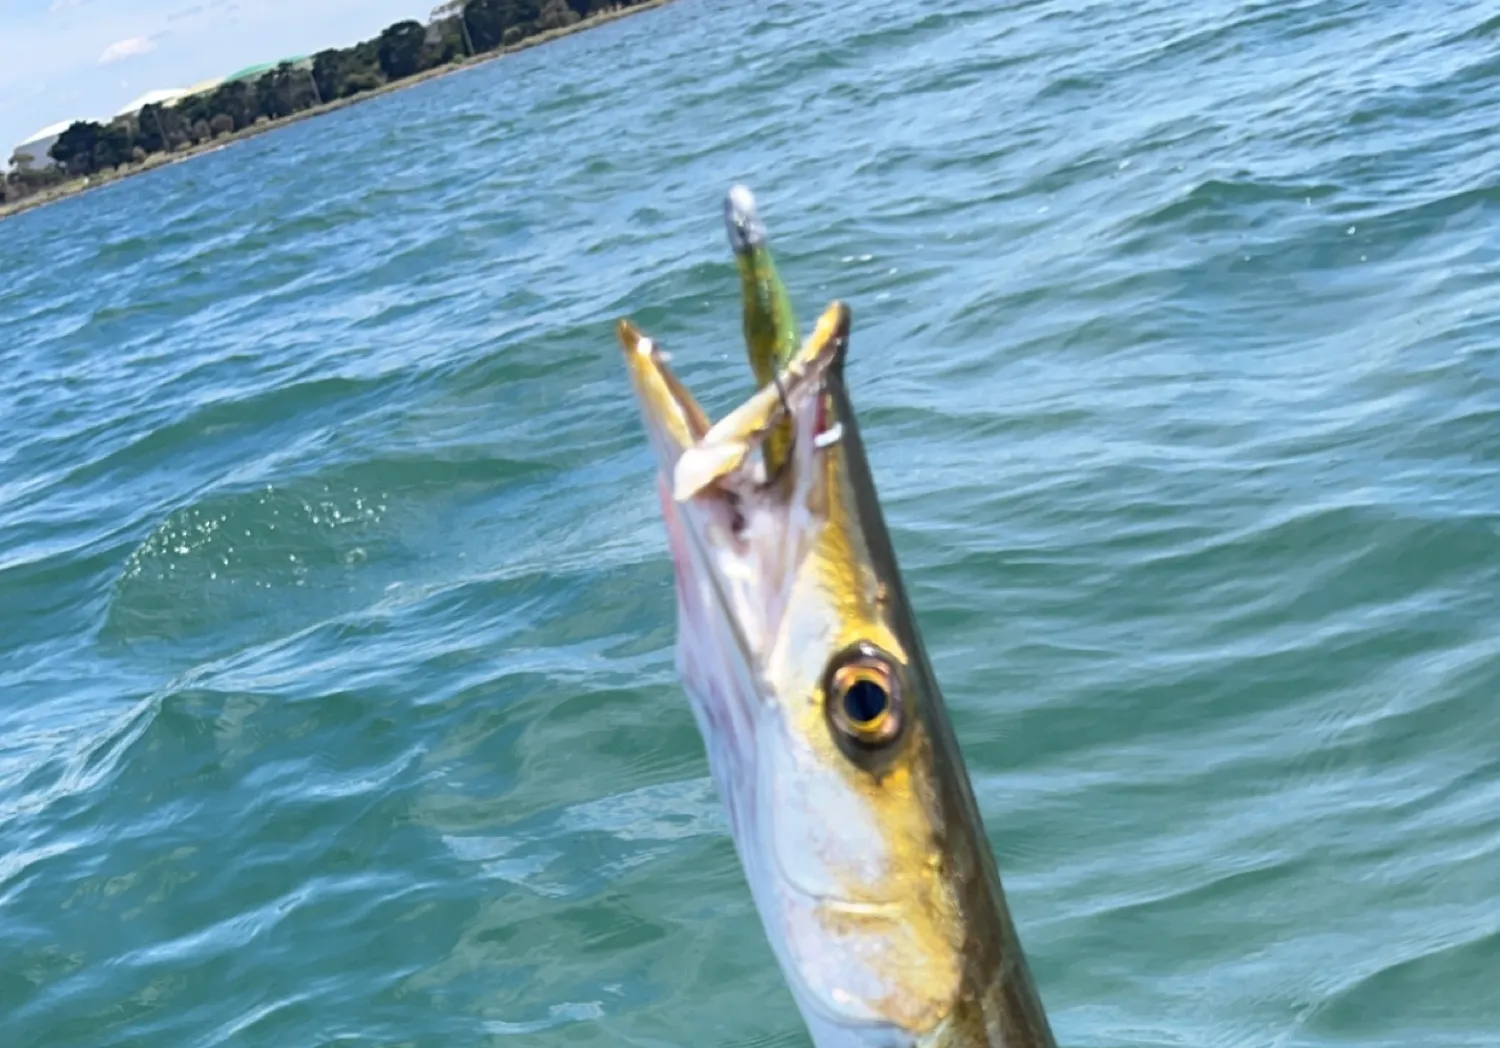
(86, 59)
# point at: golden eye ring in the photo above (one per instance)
(863, 700)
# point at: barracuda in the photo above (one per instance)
(847, 797)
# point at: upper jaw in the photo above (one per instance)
(674, 420)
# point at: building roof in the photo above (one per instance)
(37, 144)
(204, 86)
(264, 67)
(50, 131)
(151, 98)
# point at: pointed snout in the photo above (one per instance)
(673, 419)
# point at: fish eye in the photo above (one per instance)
(863, 700)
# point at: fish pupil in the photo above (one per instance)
(865, 701)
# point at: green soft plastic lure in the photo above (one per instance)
(771, 334)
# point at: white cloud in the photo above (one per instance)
(121, 49)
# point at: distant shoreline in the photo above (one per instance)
(79, 186)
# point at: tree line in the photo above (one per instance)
(457, 29)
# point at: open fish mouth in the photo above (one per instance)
(742, 528)
(722, 495)
(826, 734)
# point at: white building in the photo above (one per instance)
(163, 96)
(32, 152)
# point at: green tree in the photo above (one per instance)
(74, 148)
(236, 100)
(193, 109)
(295, 86)
(360, 81)
(361, 68)
(445, 42)
(328, 72)
(268, 100)
(25, 180)
(556, 14)
(448, 19)
(401, 49)
(159, 128)
(283, 91)
(113, 146)
(148, 131)
(490, 20)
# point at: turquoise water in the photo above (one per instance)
(336, 692)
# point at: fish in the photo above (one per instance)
(826, 734)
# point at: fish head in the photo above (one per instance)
(825, 732)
